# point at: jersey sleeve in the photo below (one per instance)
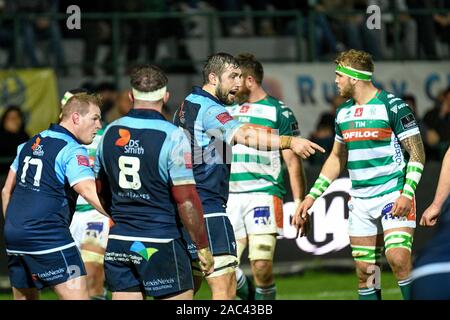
(98, 163)
(293, 127)
(218, 121)
(180, 159)
(338, 136)
(401, 119)
(77, 166)
(15, 165)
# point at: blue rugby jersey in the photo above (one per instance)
(43, 201)
(143, 156)
(209, 128)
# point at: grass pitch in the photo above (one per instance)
(311, 285)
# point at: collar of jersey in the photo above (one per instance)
(199, 91)
(145, 114)
(58, 128)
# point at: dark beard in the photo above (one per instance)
(223, 96)
(242, 96)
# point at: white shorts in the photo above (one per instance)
(255, 213)
(90, 227)
(369, 217)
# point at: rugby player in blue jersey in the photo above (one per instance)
(211, 131)
(144, 162)
(431, 273)
(39, 199)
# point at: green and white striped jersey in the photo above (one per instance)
(261, 171)
(371, 133)
(82, 204)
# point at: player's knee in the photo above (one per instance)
(398, 240)
(261, 246)
(262, 271)
(365, 258)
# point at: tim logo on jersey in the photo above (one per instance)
(261, 215)
(130, 146)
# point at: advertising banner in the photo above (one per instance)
(308, 87)
(35, 92)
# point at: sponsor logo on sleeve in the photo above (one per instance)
(224, 117)
(295, 130)
(83, 160)
(408, 121)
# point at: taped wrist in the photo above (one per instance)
(285, 142)
(319, 187)
(413, 174)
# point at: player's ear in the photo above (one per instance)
(130, 96)
(249, 82)
(212, 77)
(75, 118)
(166, 97)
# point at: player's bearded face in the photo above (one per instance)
(345, 87)
(228, 85)
(243, 94)
(224, 95)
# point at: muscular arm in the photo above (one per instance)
(267, 141)
(296, 172)
(103, 191)
(414, 146)
(191, 213)
(336, 161)
(330, 171)
(443, 188)
(8, 189)
(87, 189)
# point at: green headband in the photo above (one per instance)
(354, 73)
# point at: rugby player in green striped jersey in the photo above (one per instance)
(255, 203)
(378, 141)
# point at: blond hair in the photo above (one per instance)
(79, 103)
(356, 59)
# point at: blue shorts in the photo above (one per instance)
(431, 273)
(156, 269)
(45, 270)
(220, 236)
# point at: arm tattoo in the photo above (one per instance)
(414, 146)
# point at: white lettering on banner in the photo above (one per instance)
(329, 217)
(309, 87)
(360, 134)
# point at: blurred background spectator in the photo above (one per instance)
(40, 30)
(437, 121)
(12, 131)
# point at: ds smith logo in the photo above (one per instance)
(130, 146)
(37, 148)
